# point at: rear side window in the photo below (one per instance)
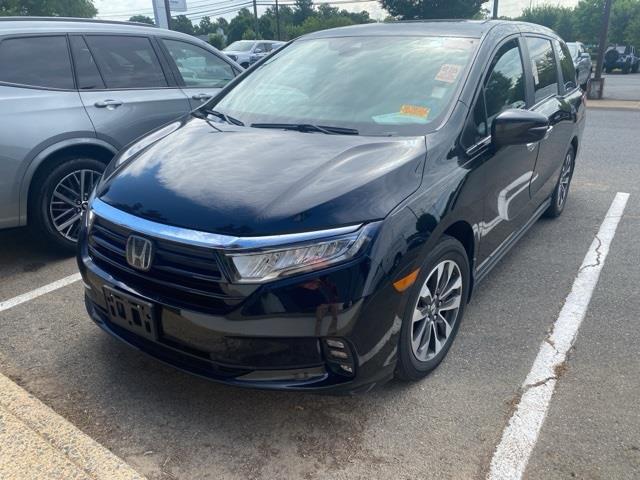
(199, 67)
(543, 66)
(36, 62)
(566, 64)
(86, 70)
(126, 62)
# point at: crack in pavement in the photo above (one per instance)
(598, 256)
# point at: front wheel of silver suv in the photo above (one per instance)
(60, 199)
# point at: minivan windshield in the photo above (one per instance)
(240, 46)
(383, 85)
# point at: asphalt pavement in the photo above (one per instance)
(167, 424)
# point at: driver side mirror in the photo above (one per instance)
(518, 127)
(257, 50)
(585, 55)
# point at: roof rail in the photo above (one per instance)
(73, 19)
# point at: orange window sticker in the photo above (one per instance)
(415, 111)
(448, 73)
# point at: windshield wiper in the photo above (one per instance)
(307, 127)
(227, 118)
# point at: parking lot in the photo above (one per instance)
(167, 424)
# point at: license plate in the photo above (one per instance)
(131, 313)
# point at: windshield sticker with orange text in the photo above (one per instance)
(414, 111)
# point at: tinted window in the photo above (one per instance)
(86, 69)
(199, 67)
(126, 62)
(504, 86)
(36, 61)
(476, 128)
(566, 63)
(543, 65)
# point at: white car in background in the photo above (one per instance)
(247, 52)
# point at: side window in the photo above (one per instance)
(476, 127)
(568, 70)
(265, 47)
(199, 67)
(86, 70)
(504, 87)
(126, 61)
(36, 62)
(543, 65)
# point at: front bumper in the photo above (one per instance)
(276, 337)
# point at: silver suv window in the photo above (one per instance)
(197, 66)
(36, 62)
(126, 61)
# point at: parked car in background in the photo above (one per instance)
(582, 62)
(74, 92)
(322, 223)
(246, 52)
(274, 46)
(624, 57)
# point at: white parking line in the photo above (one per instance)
(25, 297)
(519, 437)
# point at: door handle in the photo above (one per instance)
(110, 104)
(201, 96)
(549, 130)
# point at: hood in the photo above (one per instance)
(250, 181)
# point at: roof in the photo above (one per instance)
(458, 28)
(10, 25)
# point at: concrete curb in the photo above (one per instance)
(622, 104)
(35, 437)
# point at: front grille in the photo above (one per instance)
(181, 274)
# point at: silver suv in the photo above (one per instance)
(73, 93)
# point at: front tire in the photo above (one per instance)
(561, 192)
(60, 198)
(434, 311)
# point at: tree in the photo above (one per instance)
(181, 23)
(48, 8)
(421, 9)
(302, 10)
(216, 40)
(142, 19)
(239, 25)
(556, 18)
(206, 26)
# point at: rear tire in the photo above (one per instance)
(59, 198)
(561, 192)
(431, 322)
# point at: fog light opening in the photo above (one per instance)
(339, 357)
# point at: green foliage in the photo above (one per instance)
(556, 18)
(584, 22)
(48, 8)
(142, 19)
(217, 40)
(240, 25)
(181, 23)
(424, 9)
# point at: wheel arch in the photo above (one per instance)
(463, 232)
(87, 147)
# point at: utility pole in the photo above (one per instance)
(495, 9)
(596, 86)
(277, 21)
(168, 11)
(255, 17)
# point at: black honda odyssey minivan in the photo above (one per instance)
(322, 222)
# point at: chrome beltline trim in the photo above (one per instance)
(207, 239)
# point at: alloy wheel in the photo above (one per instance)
(69, 200)
(565, 179)
(436, 311)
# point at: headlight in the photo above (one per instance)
(146, 141)
(268, 264)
